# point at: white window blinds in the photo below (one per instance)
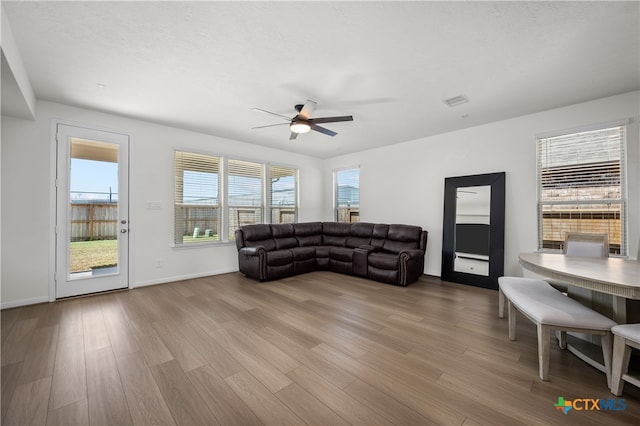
(283, 198)
(347, 192)
(582, 186)
(197, 198)
(245, 194)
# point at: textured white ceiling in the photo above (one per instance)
(204, 65)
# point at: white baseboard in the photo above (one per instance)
(183, 277)
(44, 299)
(24, 302)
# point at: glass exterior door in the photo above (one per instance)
(92, 211)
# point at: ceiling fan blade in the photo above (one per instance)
(272, 113)
(270, 125)
(293, 136)
(331, 119)
(322, 130)
(307, 109)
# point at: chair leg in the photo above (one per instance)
(512, 320)
(544, 337)
(620, 363)
(607, 343)
(500, 304)
(562, 339)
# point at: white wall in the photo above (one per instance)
(26, 199)
(404, 183)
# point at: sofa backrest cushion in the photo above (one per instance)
(258, 235)
(311, 240)
(362, 229)
(402, 237)
(307, 228)
(308, 234)
(335, 233)
(393, 238)
(284, 236)
(360, 234)
(379, 234)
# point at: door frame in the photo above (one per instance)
(53, 204)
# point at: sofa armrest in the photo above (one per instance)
(412, 253)
(411, 265)
(252, 261)
(251, 251)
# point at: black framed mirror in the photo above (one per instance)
(473, 229)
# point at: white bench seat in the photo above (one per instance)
(550, 309)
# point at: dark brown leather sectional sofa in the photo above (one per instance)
(392, 254)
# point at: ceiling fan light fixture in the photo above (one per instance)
(299, 126)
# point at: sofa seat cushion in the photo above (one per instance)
(382, 260)
(303, 253)
(279, 257)
(342, 254)
(341, 260)
(323, 251)
(322, 257)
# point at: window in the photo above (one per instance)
(283, 199)
(245, 194)
(581, 186)
(347, 193)
(197, 198)
(203, 214)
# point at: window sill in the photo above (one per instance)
(204, 244)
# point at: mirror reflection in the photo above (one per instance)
(472, 230)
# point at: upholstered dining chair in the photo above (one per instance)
(584, 245)
(580, 244)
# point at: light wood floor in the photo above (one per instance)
(320, 348)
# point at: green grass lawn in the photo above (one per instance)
(87, 255)
(189, 239)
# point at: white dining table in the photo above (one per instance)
(615, 276)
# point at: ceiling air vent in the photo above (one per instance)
(456, 100)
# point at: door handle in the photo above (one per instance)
(123, 231)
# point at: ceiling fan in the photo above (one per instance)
(302, 122)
